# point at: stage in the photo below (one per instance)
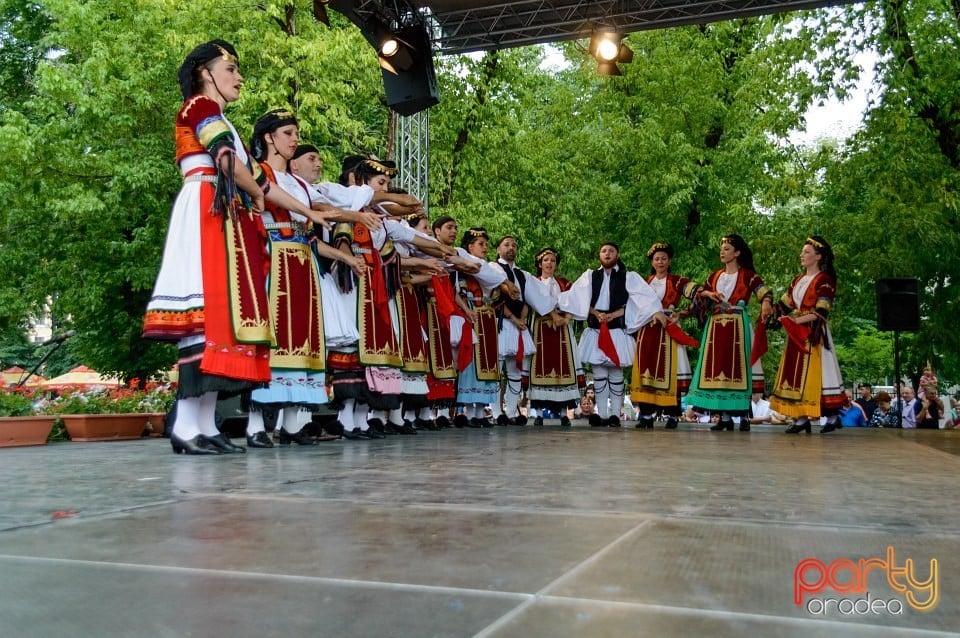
(503, 532)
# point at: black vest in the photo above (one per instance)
(618, 297)
(516, 277)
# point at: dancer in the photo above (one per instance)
(556, 374)
(724, 379)
(296, 296)
(661, 369)
(210, 295)
(808, 383)
(615, 303)
(515, 343)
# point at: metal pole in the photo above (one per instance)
(896, 375)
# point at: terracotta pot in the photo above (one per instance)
(105, 427)
(25, 430)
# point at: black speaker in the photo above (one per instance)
(413, 89)
(898, 304)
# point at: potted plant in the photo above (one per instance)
(20, 424)
(111, 415)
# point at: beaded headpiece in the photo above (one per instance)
(660, 246)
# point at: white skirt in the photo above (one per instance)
(509, 339)
(590, 352)
(339, 324)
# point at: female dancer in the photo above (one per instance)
(808, 383)
(296, 296)
(210, 295)
(555, 371)
(478, 384)
(724, 379)
(661, 370)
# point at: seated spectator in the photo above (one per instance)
(852, 414)
(694, 415)
(587, 408)
(931, 410)
(759, 409)
(884, 416)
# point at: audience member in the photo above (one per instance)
(866, 400)
(852, 414)
(931, 410)
(884, 416)
(910, 408)
(759, 408)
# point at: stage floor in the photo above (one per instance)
(504, 532)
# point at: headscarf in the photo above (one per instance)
(198, 58)
(268, 123)
(303, 149)
(363, 168)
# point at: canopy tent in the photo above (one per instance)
(79, 378)
(13, 375)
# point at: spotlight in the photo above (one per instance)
(393, 52)
(389, 46)
(609, 51)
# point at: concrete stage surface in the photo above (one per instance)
(508, 532)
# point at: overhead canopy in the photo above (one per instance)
(80, 377)
(13, 376)
(478, 25)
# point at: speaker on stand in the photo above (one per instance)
(898, 309)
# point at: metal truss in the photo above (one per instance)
(413, 153)
(478, 26)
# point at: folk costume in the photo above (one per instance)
(661, 370)
(808, 383)
(209, 295)
(608, 347)
(475, 344)
(556, 373)
(516, 346)
(298, 363)
(724, 378)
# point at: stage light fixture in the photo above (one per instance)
(609, 51)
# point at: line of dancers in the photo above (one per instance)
(302, 293)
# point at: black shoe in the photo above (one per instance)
(225, 445)
(538, 422)
(376, 425)
(564, 421)
(443, 423)
(672, 423)
(744, 425)
(595, 421)
(722, 425)
(300, 438)
(461, 421)
(644, 423)
(196, 445)
(796, 428)
(353, 434)
(261, 439)
(518, 420)
(503, 420)
(829, 427)
(424, 424)
(370, 433)
(334, 427)
(614, 422)
(407, 428)
(475, 423)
